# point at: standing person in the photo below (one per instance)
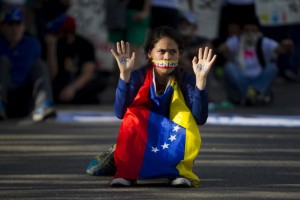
(128, 20)
(160, 105)
(251, 66)
(22, 72)
(138, 21)
(72, 63)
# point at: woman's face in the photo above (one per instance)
(164, 49)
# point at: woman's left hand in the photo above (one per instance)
(202, 65)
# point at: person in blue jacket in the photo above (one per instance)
(24, 80)
(163, 49)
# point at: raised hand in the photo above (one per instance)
(125, 62)
(202, 65)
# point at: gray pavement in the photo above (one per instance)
(48, 160)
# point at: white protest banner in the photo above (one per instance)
(278, 12)
(90, 16)
(208, 14)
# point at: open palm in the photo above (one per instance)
(125, 62)
(203, 63)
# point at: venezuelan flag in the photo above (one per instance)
(151, 145)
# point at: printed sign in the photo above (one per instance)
(208, 14)
(90, 16)
(278, 12)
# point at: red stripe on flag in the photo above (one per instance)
(133, 135)
(131, 143)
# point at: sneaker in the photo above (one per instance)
(122, 182)
(250, 99)
(265, 99)
(46, 110)
(252, 96)
(181, 182)
(103, 164)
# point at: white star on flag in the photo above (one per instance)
(172, 138)
(176, 128)
(165, 146)
(154, 149)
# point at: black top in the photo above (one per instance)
(72, 56)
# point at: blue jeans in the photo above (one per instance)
(238, 83)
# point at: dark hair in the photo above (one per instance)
(163, 31)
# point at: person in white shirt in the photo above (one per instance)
(251, 64)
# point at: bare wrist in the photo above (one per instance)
(125, 77)
(201, 84)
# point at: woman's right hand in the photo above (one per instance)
(125, 62)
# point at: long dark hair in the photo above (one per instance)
(165, 31)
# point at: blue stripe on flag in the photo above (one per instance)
(164, 148)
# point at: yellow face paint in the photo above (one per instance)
(165, 63)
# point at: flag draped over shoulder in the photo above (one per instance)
(150, 145)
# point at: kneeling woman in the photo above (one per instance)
(161, 106)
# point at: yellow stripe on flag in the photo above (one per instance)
(181, 115)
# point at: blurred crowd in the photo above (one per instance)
(44, 61)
